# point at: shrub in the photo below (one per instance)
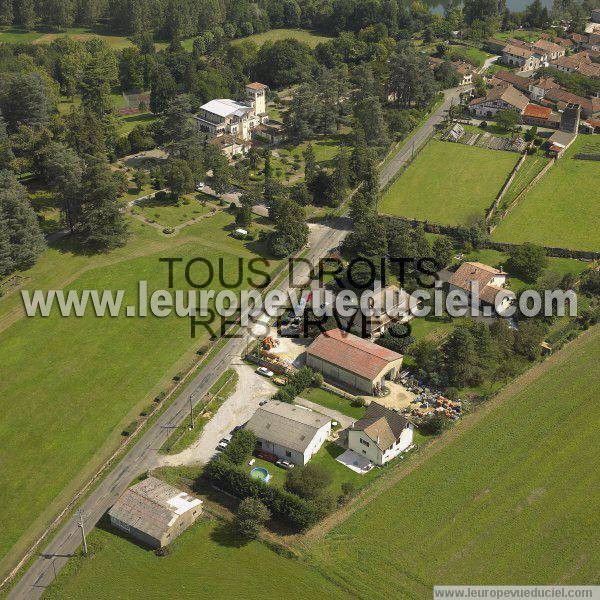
(359, 401)
(240, 447)
(252, 514)
(160, 397)
(127, 431)
(164, 551)
(309, 482)
(317, 379)
(435, 425)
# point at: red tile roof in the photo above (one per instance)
(257, 86)
(539, 112)
(352, 353)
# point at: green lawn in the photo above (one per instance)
(307, 37)
(15, 35)
(448, 182)
(333, 401)
(69, 386)
(172, 213)
(470, 54)
(562, 209)
(206, 562)
(506, 501)
(131, 121)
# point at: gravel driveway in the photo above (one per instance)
(237, 409)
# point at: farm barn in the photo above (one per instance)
(352, 362)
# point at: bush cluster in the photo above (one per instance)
(233, 479)
(297, 382)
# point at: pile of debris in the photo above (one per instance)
(428, 400)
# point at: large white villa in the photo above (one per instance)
(232, 123)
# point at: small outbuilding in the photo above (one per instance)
(154, 512)
(352, 362)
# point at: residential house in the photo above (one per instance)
(539, 87)
(352, 362)
(381, 434)
(463, 69)
(504, 77)
(560, 99)
(386, 306)
(488, 282)
(154, 512)
(578, 63)
(239, 120)
(501, 97)
(549, 50)
(518, 56)
(288, 431)
(541, 116)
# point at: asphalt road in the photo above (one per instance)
(143, 453)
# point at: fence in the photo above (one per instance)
(490, 212)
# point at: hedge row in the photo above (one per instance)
(299, 513)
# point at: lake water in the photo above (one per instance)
(512, 5)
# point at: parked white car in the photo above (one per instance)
(264, 372)
(223, 443)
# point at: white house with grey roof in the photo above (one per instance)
(154, 512)
(237, 119)
(288, 431)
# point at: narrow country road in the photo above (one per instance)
(143, 453)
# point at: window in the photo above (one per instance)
(288, 454)
(259, 443)
(364, 442)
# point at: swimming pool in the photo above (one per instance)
(260, 473)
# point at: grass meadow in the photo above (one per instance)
(70, 385)
(562, 209)
(448, 182)
(505, 497)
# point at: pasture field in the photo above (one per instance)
(528, 171)
(302, 35)
(562, 209)
(523, 518)
(70, 385)
(448, 182)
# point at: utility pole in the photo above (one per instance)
(191, 412)
(80, 525)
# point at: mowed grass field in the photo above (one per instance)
(448, 182)
(205, 563)
(14, 35)
(302, 35)
(70, 385)
(562, 209)
(506, 499)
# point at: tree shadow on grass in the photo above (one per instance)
(224, 534)
(71, 243)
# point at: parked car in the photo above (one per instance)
(223, 443)
(262, 402)
(264, 372)
(200, 186)
(285, 464)
(279, 380)
(236, 428)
